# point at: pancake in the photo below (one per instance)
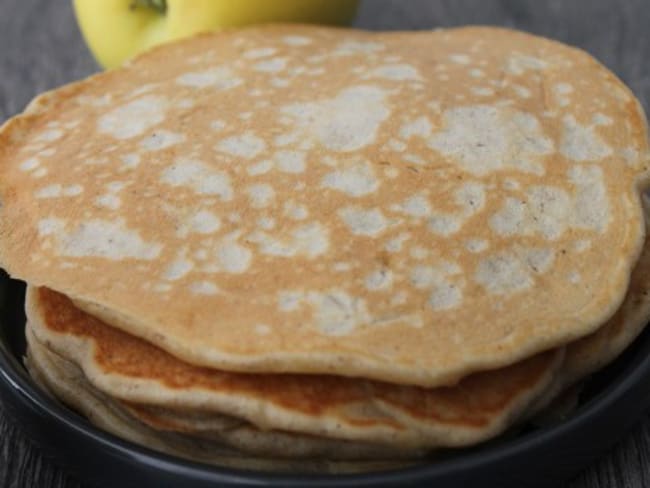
(63, 380)
(590, 354)
(403, 207)
(404, 417)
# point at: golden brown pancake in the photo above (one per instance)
(404, 207)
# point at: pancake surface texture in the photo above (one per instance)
(406, 207)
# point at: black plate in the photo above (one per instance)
(612, 402)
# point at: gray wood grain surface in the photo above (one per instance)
(40, 48)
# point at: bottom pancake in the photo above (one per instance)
(65, 381)
(405, 417)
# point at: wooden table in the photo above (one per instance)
(40, 48)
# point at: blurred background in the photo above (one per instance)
(41, 48)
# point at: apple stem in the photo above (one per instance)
(159, 6)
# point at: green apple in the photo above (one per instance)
(115, 30)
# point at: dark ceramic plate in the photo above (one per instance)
(610, 404)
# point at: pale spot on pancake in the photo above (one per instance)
(218, 125)
(445, 296)
(296, 40)
(50, 226)
(582, 143)
(582, 245)
(399, 298)
(40, 172)
(426, 276)
(444, 224)
(602, 119)
(295, 211)
(341, 267)
(391, 173)
(280, 82)
(245, 146)
(131, 160)
(246, 115)
(348, 122)
(266, 223)
(362, 221)
(381, 279)
(72, 190)
(261, 195)
(419, 127)
(397, 145)
(502, 274)
(419, 253)
(350, 48)
(29, 164)
(518, 64)
(221, 78)
(262, 329)
(201, 222)
(108, 239)
(395, 72)
(337, 313)
(286, 139)
(460, 58)
(539, 260)
(290, 161)
(97, 161)
(574, 277)
(562, 89)
(109, 201)
(50, 191)
(522, 91)
(231, 257)
(141, 90)
(261, 52)
(470, 197)
(591, 202)
(178, 268)
(482, 139)
(289, 301)
(49, 135)
(46, 153)
(476, 73)
(546, 211)
(199, 177)
(161, 287)
(631, 155)
(356, 180)
(260, 168)
(161, 139)
(134, 118)
(395, 244)
(272, 65)
(204, 288)
(310, 240)
(57, 190)
(413, 158)
(511, 184)
(415, 206)
(185, 103)
(483, 91)
(476, 245)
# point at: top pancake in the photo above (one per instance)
(408, 207)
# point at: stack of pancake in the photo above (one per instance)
(316, 249)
